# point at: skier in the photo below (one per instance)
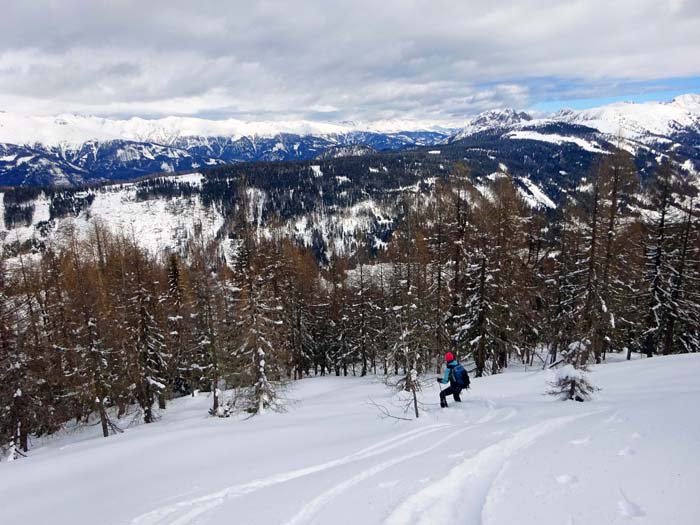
(457, 376)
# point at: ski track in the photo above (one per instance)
(315, 505)
(311, 508)
(190, 509)
(475, 484)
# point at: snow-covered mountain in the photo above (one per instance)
(562, 147)
(644, 122)
(72, 131)
(647, 125)
(75, 149)
(494, 119)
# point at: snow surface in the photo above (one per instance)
(556, 139)
(506, 455)
(568, 372)
(156, 225)
(634, 120)
(338, 227)
(534, 196)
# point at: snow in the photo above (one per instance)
(506, 454)
(634, 120)
(585, 188)
(492, 119)
(338, 227)
(156, 225)
(556, 139)
(636, 124)
(486, 191)
(535, 197)
(317, 170)
(434, 152)
(568, 372)
(256, 206)
(194, 179)
(496, 175)
(23, 233)
(689, 167)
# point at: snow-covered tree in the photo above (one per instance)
(258, 324)
(571, 384)
(492, 321)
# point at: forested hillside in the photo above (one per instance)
(94, 324)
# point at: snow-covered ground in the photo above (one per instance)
(506, 455)
(156, 224)
(553, 138)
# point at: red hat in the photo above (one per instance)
(449, 356)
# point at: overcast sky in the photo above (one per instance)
(335, 60)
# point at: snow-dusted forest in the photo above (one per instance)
(96, 328)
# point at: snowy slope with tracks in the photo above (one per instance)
(506, 455)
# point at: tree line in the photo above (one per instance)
(96, 326)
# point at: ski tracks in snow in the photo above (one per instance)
(186, 511)
(475, 484)
(311, 508)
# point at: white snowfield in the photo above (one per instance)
(506, 455)
(556, 139)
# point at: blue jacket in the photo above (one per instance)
(448, 370)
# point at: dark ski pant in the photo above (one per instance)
(452, 390)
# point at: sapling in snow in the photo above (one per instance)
(409, 382)
(571, 384)
(412, 385)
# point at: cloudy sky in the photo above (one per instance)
(336, 60)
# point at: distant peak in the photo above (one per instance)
(500, 117)
(689, 101)
(493, 119)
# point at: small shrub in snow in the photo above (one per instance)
(571, 384)
(412, 384)
(409, 382)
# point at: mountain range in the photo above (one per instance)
(76, 149)
(333, 191)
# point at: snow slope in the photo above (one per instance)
(659, 119)
(506, 455)
(157, 225)
(556, 139)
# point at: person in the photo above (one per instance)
(456, 376)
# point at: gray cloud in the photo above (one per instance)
(343, 60)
